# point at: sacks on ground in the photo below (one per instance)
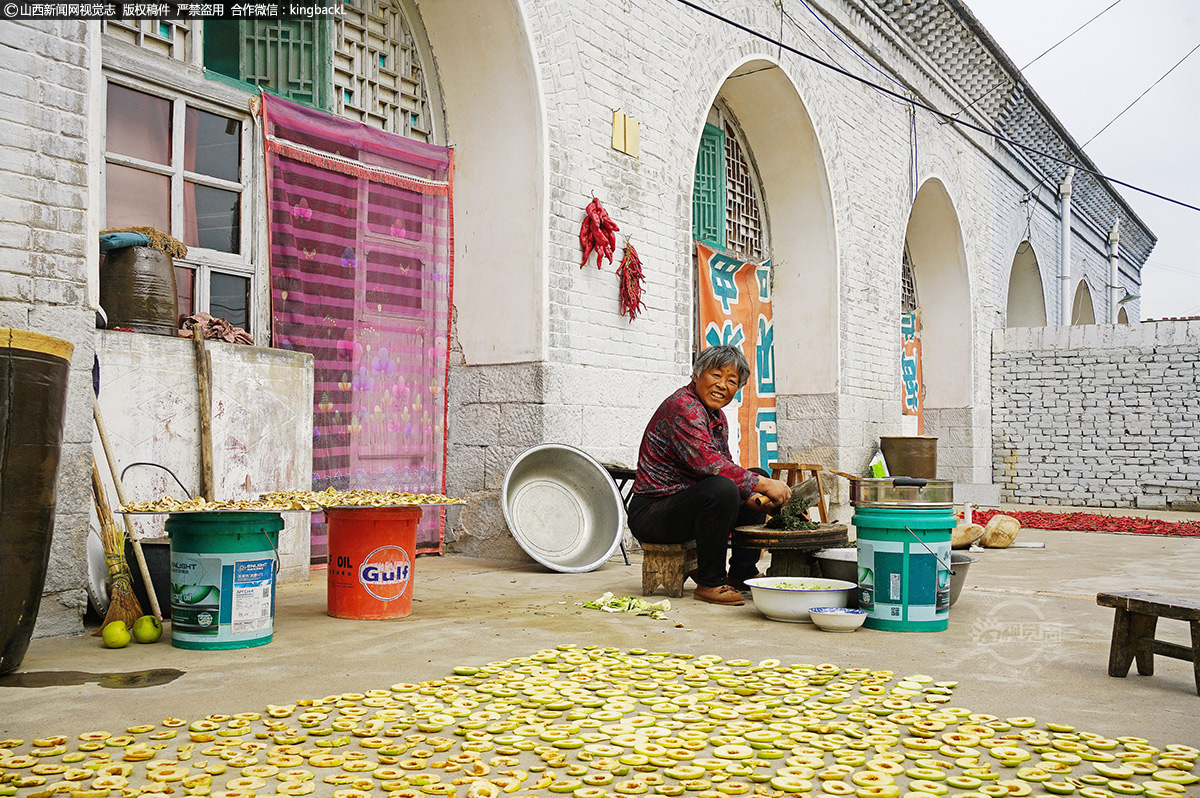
(1001, 530)
(965, 534)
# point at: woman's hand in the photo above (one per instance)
(757, 501)
(776, 491)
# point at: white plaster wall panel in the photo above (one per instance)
(490, 87)
(261, 425)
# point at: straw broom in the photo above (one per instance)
(138, 554)
(122, 603)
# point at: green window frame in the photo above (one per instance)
(289, 57)
(708, 190)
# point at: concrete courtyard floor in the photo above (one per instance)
(1026, 638)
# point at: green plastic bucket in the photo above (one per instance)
(903, 574)
(223, 567)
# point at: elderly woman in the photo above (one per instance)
(688, 487)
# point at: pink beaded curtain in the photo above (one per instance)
(361, 277)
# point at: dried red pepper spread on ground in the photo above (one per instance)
(1094, 522)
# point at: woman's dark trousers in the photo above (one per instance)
(706, 512)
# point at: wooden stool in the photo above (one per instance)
(667, 564)
(1133, 631)
(793, 474)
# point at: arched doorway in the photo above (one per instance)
(1122, 316)
(489, 83)
(759, 110)
(1026, 299)
(496, 122)
(933, 247)
(1082, 311)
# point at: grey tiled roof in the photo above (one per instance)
(952, 38)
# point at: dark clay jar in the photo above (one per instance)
(33, 396)
(137, 290)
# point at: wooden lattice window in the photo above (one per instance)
(908, 285)
(169, 37)
(726, 210)
(378, 75)
(743, 222)
(287, 56)
(708, 192)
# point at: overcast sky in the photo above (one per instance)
(1090, 78)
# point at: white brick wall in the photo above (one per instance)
(600, 376)
(44, 242)
(1098, 416)
(662, 64)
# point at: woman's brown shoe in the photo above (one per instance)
(742, 587)
(721, 594)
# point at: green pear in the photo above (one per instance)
(115, 634)
(147, 629)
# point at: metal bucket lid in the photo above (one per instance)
(902, 492)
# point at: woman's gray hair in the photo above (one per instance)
(718, 357)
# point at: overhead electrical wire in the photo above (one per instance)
(1069, 35)
(910, 96)
(1175, 269)
(1143, 94)
(935, 111)
(845, 43)
(796, 24)
(1038, 58)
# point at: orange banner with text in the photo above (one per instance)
(735, 308)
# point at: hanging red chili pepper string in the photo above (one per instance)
(597, 233)
(630, 275)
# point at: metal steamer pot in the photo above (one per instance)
(902, 492)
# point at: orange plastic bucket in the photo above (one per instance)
(371, 556)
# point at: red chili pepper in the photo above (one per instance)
(1095, 522)
(630, 275)
(596, 233)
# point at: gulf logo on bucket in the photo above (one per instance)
(384, 573)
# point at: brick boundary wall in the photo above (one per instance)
(1098, 416)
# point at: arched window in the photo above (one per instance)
(735, 280)
(379, 69)
(908, 284)
(1082, 311)
(1026, 305)
(726, 205)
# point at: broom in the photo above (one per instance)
(138, 554)
(122, 603)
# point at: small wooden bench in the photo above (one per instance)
(667, 564)
(1133, 631)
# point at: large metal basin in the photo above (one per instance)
(563, 508)
(960, 561)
